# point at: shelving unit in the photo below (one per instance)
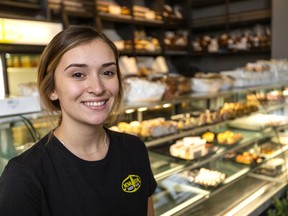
(29, 9)
(223, 17)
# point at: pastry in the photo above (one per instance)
(189, 148)
(221, 138)
(208, 136)
(210, 178)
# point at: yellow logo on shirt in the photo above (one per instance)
(131, 184)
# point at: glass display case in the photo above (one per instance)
(242, 170)
(20, 132)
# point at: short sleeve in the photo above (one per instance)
(153, 184)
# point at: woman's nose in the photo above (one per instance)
(96, 85)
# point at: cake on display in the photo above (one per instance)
(189, 148)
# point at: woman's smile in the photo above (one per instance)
(95, 103)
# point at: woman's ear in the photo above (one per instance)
(53, 96)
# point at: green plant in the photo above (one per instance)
(280, 207)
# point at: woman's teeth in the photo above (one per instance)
(100, 103)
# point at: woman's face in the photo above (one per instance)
(86, 83)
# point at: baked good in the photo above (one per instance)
(135, 127)
(189, 148)
(248, 158)
(112, 8)
(208, 136)
(210, 178)
(221, 138)
(158, 127)
(145, 13)
(123, 127)
(140, 89)
(273, 167)
(114, 128)
(228, 137)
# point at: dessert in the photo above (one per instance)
(248, 158)
(112, 8)
(209, 177)
(272, 167)
(189, 148)
(148, 128)
(208, 136)
(140, 89)
(228, 137)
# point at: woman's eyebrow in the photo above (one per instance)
(85, 65)
(108, 64)
(75, 65)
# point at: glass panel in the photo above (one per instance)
(162, 165)
(19, 133)
(170, 194)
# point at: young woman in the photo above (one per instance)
(80, 167)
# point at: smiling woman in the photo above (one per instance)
(80, 167)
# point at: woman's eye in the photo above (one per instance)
(77, 75)
(108, 73)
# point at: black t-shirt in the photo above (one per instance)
(49, 180)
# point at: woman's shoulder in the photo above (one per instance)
(33, 155)
(126, 139)
(128, 146)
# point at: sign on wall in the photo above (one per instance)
(27, 32)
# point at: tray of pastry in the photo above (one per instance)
(245, 157)
(268, 148)
(203, 178)
(258, 121)
(188, 148)
(254, 155)
(223, 138)
(272, 167)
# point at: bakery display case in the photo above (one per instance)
(251, 169)
(19, 132)
(252, 164)
(241, 162)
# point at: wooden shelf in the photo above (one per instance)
(232, 53)
(222, 21)
(209, 3)
(115, 18)
(20, 4)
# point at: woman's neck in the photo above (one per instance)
(85, 144)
